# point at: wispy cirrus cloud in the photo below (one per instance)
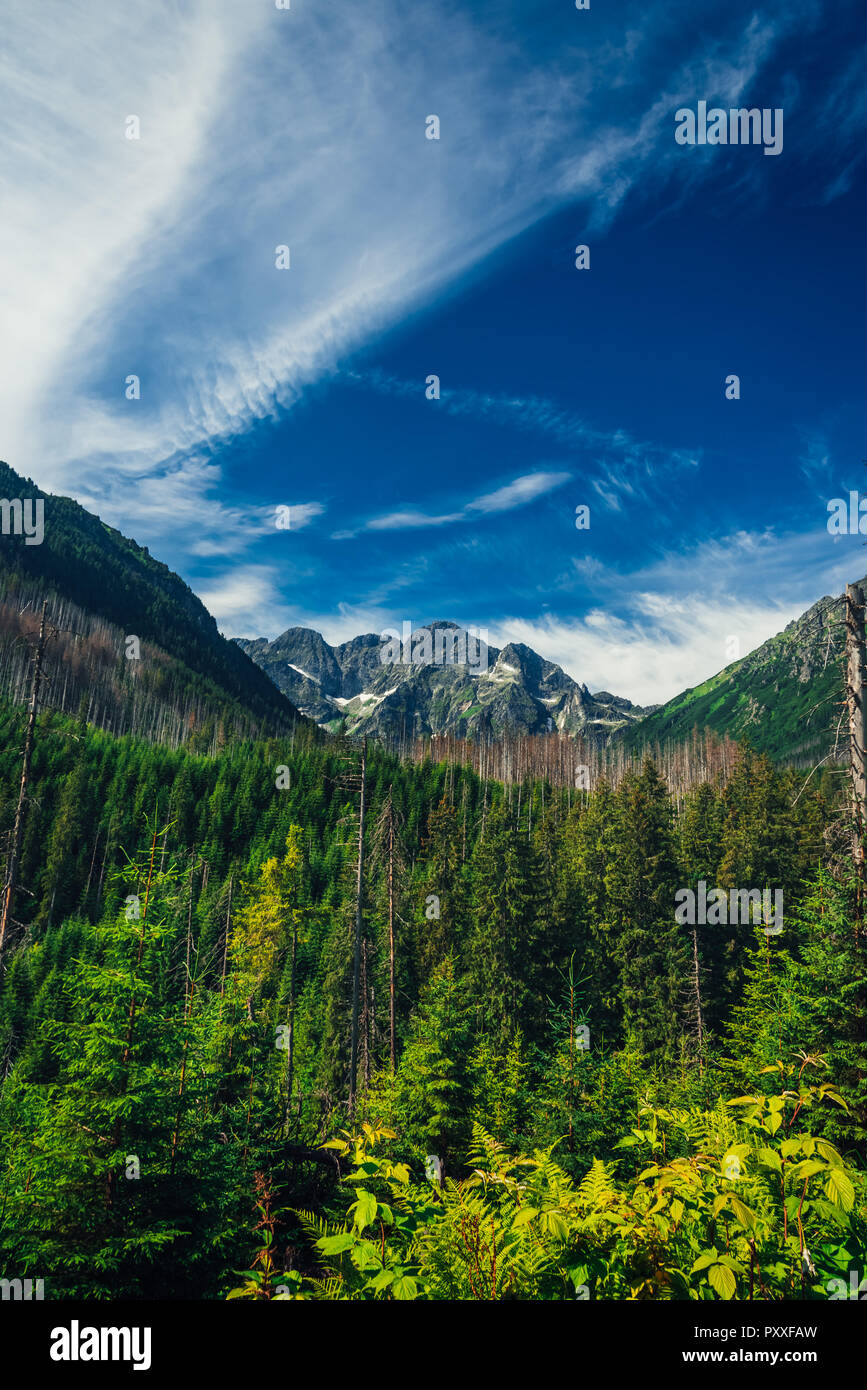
(815, 457)
(520, 492)
(614, 463)
(185, 494)
(262, 127)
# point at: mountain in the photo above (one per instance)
(507, 691)
(101, 589)
(785, 696)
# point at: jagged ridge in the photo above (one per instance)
(513, 691)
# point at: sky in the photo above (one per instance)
(307, 387)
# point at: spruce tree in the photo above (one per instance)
(641, 880)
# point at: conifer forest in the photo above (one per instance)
(370, 1029)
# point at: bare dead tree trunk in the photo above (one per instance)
(92, 862)
(391, 963)
(387, 851)
(189, 931)
(356, 966)
(696, 985)
(365, 1019)
(290, 1051)
(855, 673)
(104, 858)
(182, 1083)
(226, 942)
(18, 828)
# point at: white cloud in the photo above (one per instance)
(302, 513)
(666, 646)
(246, 602)
(519, 492)
(407, 520)
(179, 502)
(683, 610)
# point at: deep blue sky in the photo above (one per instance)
(559, 387)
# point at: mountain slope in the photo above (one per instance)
(503, 692)
(785, 696)
(101, 588)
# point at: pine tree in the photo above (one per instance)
(500, 949)
(432, 1088)
(442, 911)
(641, 880)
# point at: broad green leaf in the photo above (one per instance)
(335, 1245)
(829, 1153)
(365, 1209)
(553, 1222)
(839, 1188)
(366, 1256)
(807, 1169)
(833, 1094)
(723, 1281)
(743, 1213)
(405, 1287)
(524, 1216)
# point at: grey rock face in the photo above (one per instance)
(445, 682)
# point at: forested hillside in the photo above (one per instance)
(785, 696)
(559, 1090)
(101, 589)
